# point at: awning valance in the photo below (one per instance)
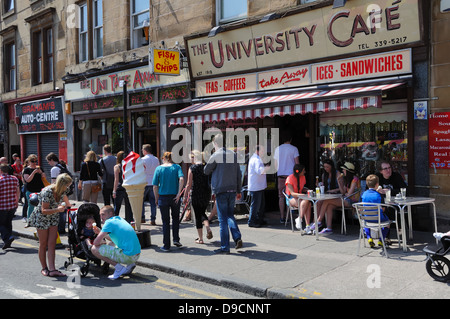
(288, 104)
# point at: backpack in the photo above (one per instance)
(63, 170)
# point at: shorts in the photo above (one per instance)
(117, 255)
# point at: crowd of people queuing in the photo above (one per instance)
(217, 179)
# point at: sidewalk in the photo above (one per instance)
(278, 263)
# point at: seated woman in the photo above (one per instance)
(348, 184)
(295, 184)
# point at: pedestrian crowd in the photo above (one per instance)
(216, 179)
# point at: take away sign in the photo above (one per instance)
(164, 62)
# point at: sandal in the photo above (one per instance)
(55, 273)
(209, 234)
(199, 241)
(44, 271)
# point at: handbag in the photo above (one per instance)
(95, 188)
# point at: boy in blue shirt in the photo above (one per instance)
(372, 196)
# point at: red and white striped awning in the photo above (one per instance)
(288, 104)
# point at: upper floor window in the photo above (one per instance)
(8, 5)
(90, 39)
(10, 67)
(140, 21)
(307, 1)
(231, 10)
(42, 55)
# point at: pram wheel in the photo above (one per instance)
(84, 270)
(438, 267)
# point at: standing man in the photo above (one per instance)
(124, 247)
(150, 164)
(107, 166)
(285, 156)
(226, 184)
(9, 198)
(257, 183)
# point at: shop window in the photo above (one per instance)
(42, 56)
(307, 1)
(365, 142)
(10, 67)
(140, 22)
(231, 10)
(90, 32)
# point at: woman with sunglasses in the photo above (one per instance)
(32, 175)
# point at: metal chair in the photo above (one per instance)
(369, 216)
(289, 210)
(346, 209)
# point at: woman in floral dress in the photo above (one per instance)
(45, 217)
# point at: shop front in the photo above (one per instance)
(97, 108)
(340, 84)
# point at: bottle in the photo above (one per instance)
(317, 192)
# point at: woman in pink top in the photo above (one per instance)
(295, 184)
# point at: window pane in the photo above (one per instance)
(12, 55)
(98, 42)
(49, 41)
(138, 21)
(83, 18)
(98, 13)
(83, 47)
(50, 69)
(12, 79)
(140, 5)
(232, 9)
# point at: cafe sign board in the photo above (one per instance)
(137, 79)
(365, 67)
(40, 116)
(439, 140)
(358, 27)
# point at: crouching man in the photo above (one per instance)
(124, 249)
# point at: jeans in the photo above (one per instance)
(120, 196)
(225, 213)
(6, 217)
(150, 197)
(107, 194)
(167, 203)
(257, 206)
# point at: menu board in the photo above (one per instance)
(439, 140)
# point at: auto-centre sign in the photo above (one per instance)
(359, 27)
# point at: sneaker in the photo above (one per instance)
(298, 223)
(326, 231)
(238, 243)
(118, 272)
(8, 243)
(308, 230)
(380, 243)
(164, 249)
(371, 243)
(177, 244)
(130, 268)
(438, 235)
(313, 226)
(221, 252)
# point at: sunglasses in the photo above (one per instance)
(33, 161)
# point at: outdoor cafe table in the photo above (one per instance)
(408, 202)
(315, 199)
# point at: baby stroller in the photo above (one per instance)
(438, 267)
(78, 248)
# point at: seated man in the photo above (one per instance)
(125, 248)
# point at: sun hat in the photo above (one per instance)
(349, 167)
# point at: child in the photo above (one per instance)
(87, 233)
(372, 196)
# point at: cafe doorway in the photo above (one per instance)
(146, 131)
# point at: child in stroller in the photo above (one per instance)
(80, 224)
(438, 266)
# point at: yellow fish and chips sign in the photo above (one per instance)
(165, 62)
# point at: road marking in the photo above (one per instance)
(146, 279)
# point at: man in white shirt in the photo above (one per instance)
(257, 183)
(150, 163)
(285, 156)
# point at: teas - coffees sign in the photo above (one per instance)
(439, 140)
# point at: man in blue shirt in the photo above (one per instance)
(372, 196)
(124, 248)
